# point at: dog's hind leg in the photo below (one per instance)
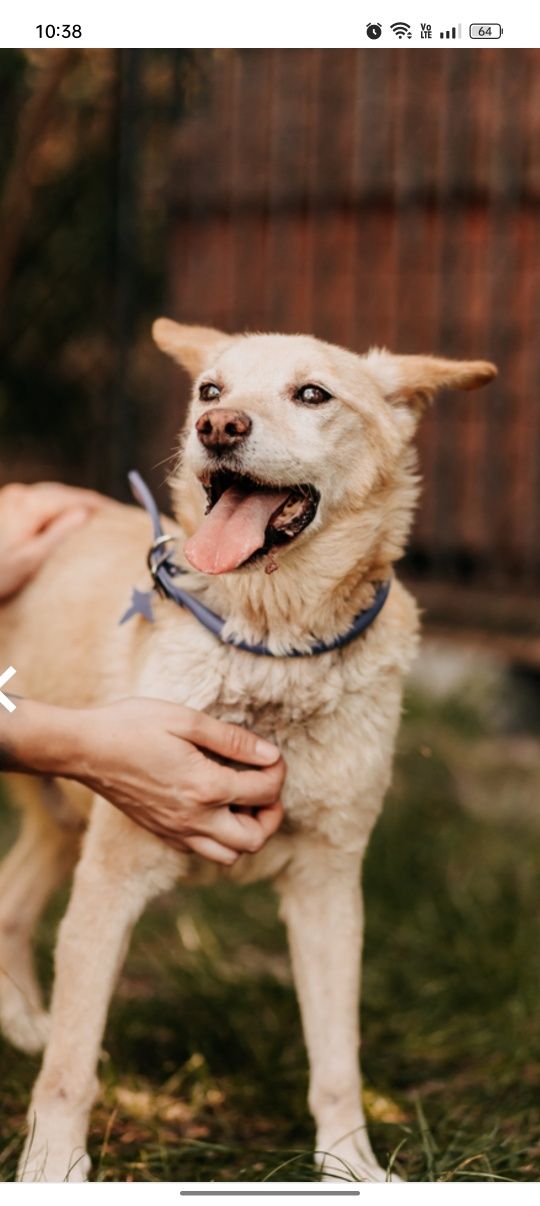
(322, 906)
(121, 868)
(42, 856)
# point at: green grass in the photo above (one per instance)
(204, 1072)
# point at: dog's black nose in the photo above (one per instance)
(220, 430)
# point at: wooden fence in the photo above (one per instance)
(387, 197)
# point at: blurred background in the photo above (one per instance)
(370, 197)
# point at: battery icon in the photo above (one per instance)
(485, 31)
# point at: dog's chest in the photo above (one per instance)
(270, 695)
(332, 716)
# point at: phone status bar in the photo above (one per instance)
(426, 31)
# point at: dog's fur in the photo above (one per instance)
(333, 716)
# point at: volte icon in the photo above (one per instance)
(4, 678)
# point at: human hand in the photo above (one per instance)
(33, 519)
(148, 758)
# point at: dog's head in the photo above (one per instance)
(286, 434)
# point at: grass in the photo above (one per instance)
(204, 1073)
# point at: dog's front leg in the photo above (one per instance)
(321, 904)
(120, 869)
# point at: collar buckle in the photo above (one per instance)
(158, 555)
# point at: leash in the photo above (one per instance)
(165, 573)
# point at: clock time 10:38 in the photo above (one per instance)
(59, 31)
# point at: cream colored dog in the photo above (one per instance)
(300, 454)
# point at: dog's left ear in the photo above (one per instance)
(192, 347)
(413, 380)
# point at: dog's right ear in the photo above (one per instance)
(192, 347)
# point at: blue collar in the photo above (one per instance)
(165, 573)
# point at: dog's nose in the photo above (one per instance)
(223, 429)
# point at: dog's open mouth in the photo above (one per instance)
(245, 519)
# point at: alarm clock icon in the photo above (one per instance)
(374, 30)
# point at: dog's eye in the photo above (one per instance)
(209, 392)
(312, 395)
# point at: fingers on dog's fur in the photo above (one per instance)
(249, 788)
(415, 379)
(231, 740)
(207, 848)
(192, 347)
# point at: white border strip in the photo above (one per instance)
(457, 1193)
(235, 23)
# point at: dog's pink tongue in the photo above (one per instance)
(232, 530)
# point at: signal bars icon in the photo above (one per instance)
(401, 29)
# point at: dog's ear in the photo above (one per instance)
(413, 380)
(192, 347)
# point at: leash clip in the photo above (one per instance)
(158, 546)
(157, 556)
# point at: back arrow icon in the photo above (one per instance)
(4, 678)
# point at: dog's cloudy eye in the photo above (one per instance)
(312, 395)
(209, 392)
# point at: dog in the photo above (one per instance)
(293, 498)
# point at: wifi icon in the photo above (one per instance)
(401, 29)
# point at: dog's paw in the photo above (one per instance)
(338, 1170)
(351, 1160)
(52, 1161)
(41, 1168)
(25, 1028)
(334, 1168)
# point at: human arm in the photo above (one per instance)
(149, 759)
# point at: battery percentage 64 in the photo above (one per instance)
(485, 31)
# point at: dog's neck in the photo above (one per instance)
(299, 602)
(323, 583)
